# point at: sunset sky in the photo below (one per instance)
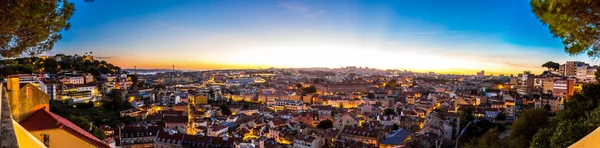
(445, 36)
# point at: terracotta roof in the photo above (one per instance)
(42, 119)
(176, 119)
(278, 122)
(361, 131)
(165, 137)
(305, 138)
(332, 134)
(217, 127)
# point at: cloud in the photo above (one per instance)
(104, 57)
(296, 7)
(301, 9)
(520, 65)
(314, 15)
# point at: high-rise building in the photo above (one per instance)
(563, 87)
(569, 69)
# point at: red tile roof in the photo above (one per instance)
(42, 119)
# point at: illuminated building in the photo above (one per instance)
(137, 136)
(363, 134)
(344, 87)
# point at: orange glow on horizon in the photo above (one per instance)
(195, 64)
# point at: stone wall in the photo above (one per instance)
(7, 132)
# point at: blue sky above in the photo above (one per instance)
(427, 35)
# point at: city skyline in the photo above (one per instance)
(500, 37)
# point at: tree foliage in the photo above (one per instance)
(310, 89)
(32, 26)
(576, 22)
(581, 115)
(98, 133)
(80, 121)
(370, 96)
(528, 124)
(50, 65)
(597, 75)
(325, 124)
(566, 131)
(395, 126)
(501, 116)
(551, 65)
(389, 111)
(225, 111)
(488, 140)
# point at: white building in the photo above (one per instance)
(76, 80)
(217, 130)
(306, 142)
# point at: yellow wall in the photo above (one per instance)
(26, 139)
(60, 138)
(21, 104)
(201, 100)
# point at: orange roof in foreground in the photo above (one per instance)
(42, 119)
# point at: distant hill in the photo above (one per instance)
(56, 64)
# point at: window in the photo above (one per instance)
(46, 140)
(29, 92)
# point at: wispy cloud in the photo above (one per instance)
(104, 57)
(313, 15)
(518, 65)
(302, 9)
(296, 7)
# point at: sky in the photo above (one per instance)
(444, 36)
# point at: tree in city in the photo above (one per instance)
(466, 114)
(391, 84)
(32, 26)
(80, 121)
(311, 89)
(576, 22)
(134, 79)
(530, 121)
(489, 140)
(541, 139)
(389, 111)
(597, 74)
(98, 133)
(566, 129)
(51, 65)
(551, 65)
(246, 106)
(117, 100)
(325, 124)
(225, 111)
(501, 116)
(370, 96)
(395, 126)
(547, 107)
